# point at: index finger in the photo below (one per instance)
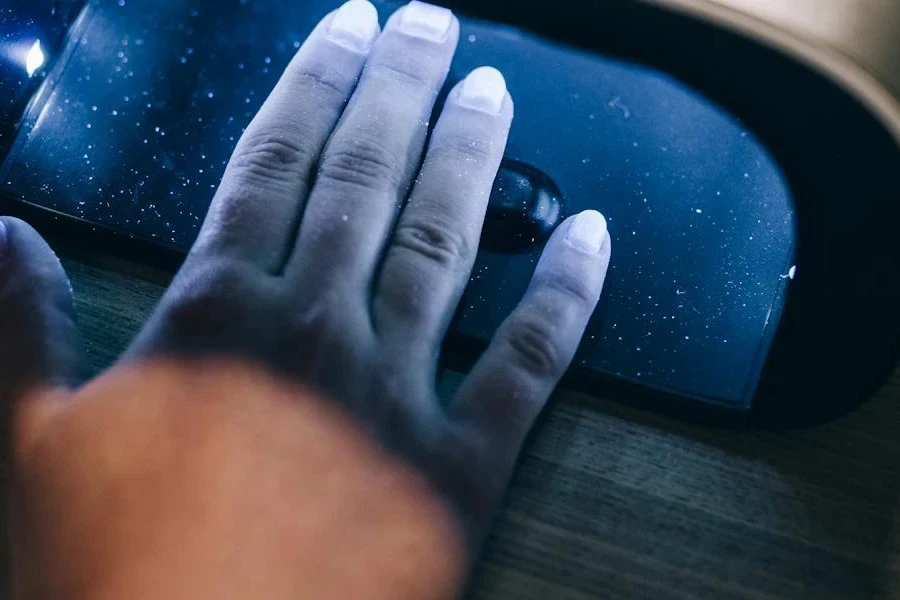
(259, 203)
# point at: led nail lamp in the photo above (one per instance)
(745, 153)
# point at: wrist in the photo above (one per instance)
(217, 480)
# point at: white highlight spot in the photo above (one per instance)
(791, 273)
(617, 103)
(35, 58)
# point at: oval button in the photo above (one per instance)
(525, 207)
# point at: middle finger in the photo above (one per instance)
(373, 154)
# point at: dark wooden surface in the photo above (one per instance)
(612, 502)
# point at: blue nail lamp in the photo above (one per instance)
(744, 153)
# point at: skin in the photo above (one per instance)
(289, 371)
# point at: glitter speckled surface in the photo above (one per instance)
(137, 131)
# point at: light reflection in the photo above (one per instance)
(34, 60)
(547, 209)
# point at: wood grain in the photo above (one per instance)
(612, 502)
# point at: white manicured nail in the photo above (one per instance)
(484, 89)
(355, 25)
(426, 21)
(588, 232)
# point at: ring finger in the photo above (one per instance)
(433, 248)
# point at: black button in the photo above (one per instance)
(526, 206)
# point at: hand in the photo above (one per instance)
(332, 260)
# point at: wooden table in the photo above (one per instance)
(612, 502)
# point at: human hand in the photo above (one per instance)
(333, 259)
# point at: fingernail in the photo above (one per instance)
(4, 238)
(355, 25)
(588, 232)
(484, 89)
(426, 21)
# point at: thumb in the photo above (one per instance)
(40, 345)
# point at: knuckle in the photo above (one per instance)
(219, 306)
(535, 346)
(325, 321)
(210, 293)
(405, 69)
(323, 79)
(316, 322)
(271, 155)
(436, 243)
(402, 408)
(404, 291)
(467, 147)
(571, 289)
(366, 162)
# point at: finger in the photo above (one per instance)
(510, 385)
(430, 257)
(372, 157)
(256, 210)
(40, 345)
